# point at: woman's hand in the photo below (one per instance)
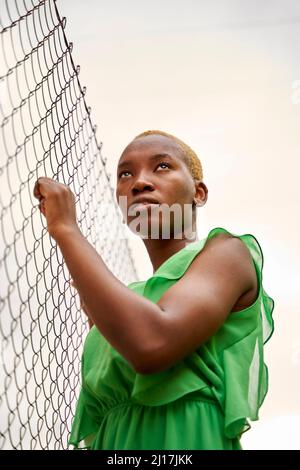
(82, 305)
(57, 204)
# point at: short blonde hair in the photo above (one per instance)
(192, 159)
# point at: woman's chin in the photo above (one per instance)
(155, 225)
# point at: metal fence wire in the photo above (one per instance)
(46, 130)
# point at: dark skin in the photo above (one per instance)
(170, 184)
(221, 279)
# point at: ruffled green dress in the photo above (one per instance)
(204, 401)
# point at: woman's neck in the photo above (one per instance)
(161, 249)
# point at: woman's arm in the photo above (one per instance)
(83, 307)
(132, 324)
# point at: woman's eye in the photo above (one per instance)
(122, 173)
(163, 163)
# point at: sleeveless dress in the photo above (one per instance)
(204, 401)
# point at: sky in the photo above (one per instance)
(223, 76)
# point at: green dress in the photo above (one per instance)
(204, 401)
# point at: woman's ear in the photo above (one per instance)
(201, 195)
(197, 203)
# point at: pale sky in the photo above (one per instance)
(224, 76)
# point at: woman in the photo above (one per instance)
(176, 361)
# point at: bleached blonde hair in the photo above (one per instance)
(191, 157)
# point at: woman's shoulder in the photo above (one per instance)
(219, 242)
(231, 246)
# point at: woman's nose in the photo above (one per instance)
(141, 184)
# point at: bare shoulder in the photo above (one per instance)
(229, 245)
(230, 251)
(225, 258)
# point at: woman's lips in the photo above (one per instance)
(143, 206)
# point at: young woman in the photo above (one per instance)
(175, 361)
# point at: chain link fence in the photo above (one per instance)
(46, 130)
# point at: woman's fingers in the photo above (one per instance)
(36, 190)
(57, 204)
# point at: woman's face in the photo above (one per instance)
(153, 167)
